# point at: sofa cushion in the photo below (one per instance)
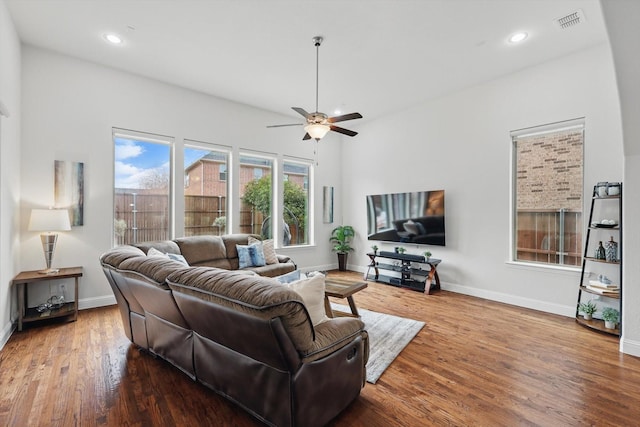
(250, 255)
(155, 268)
(231, 240)
(312, 292)
(268, 248)
(258, 296)
(164, 246)
(117, 255)
(199, 249)
(273, 270)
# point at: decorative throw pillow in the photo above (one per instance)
(411, 227)
(250, 255)
(289, 277)
(179, 258)
(312, 292)
(269, 250)
(155, 252)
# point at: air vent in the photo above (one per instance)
(570, 20)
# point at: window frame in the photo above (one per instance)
(562, 126)
(150, 138)
(227, 152)
(308, 187)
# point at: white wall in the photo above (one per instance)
(70, 107)
(621, 18)
(461, 143)
(9, 169)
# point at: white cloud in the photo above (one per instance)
(127, 150)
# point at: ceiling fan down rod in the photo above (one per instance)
(317, 41)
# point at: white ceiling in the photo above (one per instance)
(378, 56)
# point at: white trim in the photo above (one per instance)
(95, 302)
(630, 347)
(564, 125)
(7, 331)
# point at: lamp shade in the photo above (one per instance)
(317, 131)
(49, 220)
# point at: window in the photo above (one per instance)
(205, 200)
(222, 170)
(141, 187)
(296, 203)
(548, 191)
(256, 195)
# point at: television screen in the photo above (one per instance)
(416, 217)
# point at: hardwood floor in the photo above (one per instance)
(476, 362)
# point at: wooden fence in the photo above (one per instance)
(143, 217)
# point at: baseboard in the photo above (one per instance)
(630, 346)
(7, 331)
(547, 307)
(103, 301)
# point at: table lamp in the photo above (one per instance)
(49, 220)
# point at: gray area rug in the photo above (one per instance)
(388, 336)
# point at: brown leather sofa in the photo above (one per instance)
(247, 337)
(217, 251)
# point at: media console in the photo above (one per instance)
(418, 279)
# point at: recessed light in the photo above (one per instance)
(518, 37)
(112, 38)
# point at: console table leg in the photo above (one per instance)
(433, 274)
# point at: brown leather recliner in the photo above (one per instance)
(245, 336)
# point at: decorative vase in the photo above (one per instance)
(342, 261)
(587, 316)
(609, 325)
(611, 250)
(600, 252)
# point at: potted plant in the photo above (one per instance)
(587, 308)
(611, 316)
(341, 237)
(426, 254)
(401, 250)
(374, 248)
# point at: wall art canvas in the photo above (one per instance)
(327, 204)
(69, 189)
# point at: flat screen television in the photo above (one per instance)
(416, 217)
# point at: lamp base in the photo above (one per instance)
(49, 271)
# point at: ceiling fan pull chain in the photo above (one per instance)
(315, 152)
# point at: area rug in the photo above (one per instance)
(388, 336)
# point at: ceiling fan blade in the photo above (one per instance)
(344, 117)
(306, 136)
(343, 131)
(300, 111)
(290, 124)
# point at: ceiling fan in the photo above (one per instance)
(318, 124)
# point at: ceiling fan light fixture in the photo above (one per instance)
(317, 131)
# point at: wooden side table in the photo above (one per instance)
(26, 314)
(340, 288)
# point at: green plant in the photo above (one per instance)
(374, 248)
(220, 222)
(426, 254)
(610, 314)
(341, 237)
(401, 250)
(588, 307)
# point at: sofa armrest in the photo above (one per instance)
(284, 258)
(335, 334)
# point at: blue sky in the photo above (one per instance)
(135, 160)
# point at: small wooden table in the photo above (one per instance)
(26, 314)
(340, 288)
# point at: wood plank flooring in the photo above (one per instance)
(475, 363)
